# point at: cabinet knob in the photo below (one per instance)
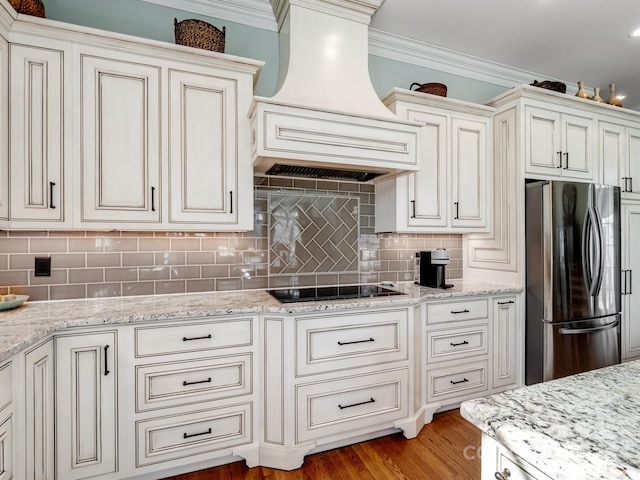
(504, 475)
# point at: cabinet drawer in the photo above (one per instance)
(180, 436)
(180, 383)
(458, 343)
(334, 342)
(345, 405)
(193, 337)
(455, 311)
(6, 385)
(456, 381)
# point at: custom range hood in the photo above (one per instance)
(326, 120)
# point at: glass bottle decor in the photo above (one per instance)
(613, 98)
(582, 93)
(596, 95)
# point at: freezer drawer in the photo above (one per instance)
(576, 347)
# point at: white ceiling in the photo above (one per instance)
(502, 41)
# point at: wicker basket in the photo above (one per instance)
(30, 7)
(439, 89)
(199, 34)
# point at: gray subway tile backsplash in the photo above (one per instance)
(110, 264)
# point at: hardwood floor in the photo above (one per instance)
(445, 449)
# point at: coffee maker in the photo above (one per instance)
(430, 268)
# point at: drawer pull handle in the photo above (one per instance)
(455, 312)
(106, 360)
(459, 343)
(188, 339)
(208, 432)
(357, 341)
(504, 475)
(185, 383)
(464, 380)
(506, 303)
(342, 407)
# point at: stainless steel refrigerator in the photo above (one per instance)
(572, 278)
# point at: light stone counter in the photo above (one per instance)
(33, 321)
(585, 426)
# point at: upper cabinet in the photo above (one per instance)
(619, 154)
(152, 136)
(120, 118)
(559, 143)
(451, 190)
(38, 128)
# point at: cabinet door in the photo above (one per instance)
(612, 153)
(577, 148)
(6, 449)
(39, 413)
(469, 173)
(542, 141)
(86, 406)
(427, 188)
(120, 122)
(632, 164)
(504, 341)
(4, 129)
(36, 134)
(631, 296)
(203, 163)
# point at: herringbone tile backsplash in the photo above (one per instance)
(87, 264)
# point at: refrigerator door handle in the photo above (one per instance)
(580, 331)
(596, 224)
(586, 250)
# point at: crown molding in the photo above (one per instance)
(254, 13)
(410, 51)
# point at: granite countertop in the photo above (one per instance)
(33, 321)
(585, 426)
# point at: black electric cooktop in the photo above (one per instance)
(318, 294)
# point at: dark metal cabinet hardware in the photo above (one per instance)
(455, 312)
(51, 185)
(185, 383)
(106, 365)
(506, 303)
(342, 407)
(464, 342)
(208, 432)
(357, 341)
(189, 339)
(464, 380)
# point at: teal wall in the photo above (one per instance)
(387, 74)
(153, 21)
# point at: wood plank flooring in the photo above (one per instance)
(445, 449)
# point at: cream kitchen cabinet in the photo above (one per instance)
(39, 132)
(6, 422)
(131, 107)
(619, 153)
(450, 192)
(559, 143)
(471, 347)
(87, 405)
(4, 130)
(630, 332)
(195, 393)
(500, 463)
(120, 118)
(153, 136)
(39, 412)
(505, 342)
(341, 375)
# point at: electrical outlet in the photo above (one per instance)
(42, 267)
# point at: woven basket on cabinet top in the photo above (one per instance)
(30, 7)
(199, 34)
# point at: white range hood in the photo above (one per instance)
(326, 120)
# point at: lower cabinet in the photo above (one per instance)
(335, 378)
(195, 394)
(39, 412)
(500, 463)
(471, 347)
(87, 405)
(630, 332)
(168, 397)
(6, 421)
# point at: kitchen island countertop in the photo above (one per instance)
(585, 426)
(33, 321)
